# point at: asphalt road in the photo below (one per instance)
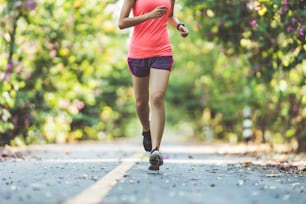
(118, 173)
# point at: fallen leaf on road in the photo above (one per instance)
(301, 168)
(273, 175)
(9, 152)
(144, 158)
(247, 163)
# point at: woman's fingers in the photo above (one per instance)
(184, 31)
(159, 11)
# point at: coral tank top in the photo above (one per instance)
(150, 38)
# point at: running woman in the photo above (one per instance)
(150, 62)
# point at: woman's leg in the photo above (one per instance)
(158, 86)
(141, 91)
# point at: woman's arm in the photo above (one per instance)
(174, 22)
(125, 21)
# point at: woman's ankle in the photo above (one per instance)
(146, 129)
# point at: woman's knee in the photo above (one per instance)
(157, 99)
(141, 103)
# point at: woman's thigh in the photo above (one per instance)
(141, 87)
(159, 80)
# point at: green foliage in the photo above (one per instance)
(66, 78)
(271, 34)
(265, 43)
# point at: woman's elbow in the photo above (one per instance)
(121, 25)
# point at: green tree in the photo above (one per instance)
(64, 77)
(270, 36)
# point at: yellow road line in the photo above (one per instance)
(95, 193)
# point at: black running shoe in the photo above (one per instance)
(147, 142)
(156, 160)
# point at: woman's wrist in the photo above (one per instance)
(179, 25)
(146, 16)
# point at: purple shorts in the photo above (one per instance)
(140, 67)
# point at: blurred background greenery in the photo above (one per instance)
(64, 75)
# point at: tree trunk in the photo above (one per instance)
(301, 145)
(13, 39)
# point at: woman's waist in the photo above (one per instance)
(149, 50)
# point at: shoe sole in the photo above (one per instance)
(153, 168)
(156, 161)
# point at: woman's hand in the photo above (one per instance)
(158, 12)
(183, 30)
